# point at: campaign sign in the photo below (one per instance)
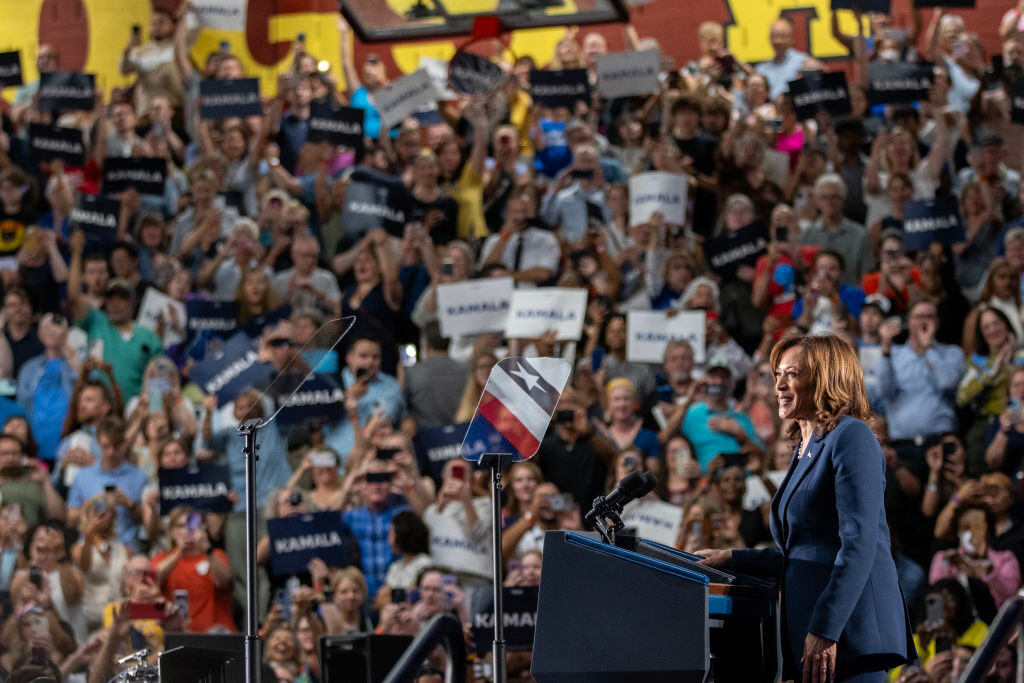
(337, 125)
(67, 91)
(375, 200)
(926, 221)
(657, 192)
(451, 546)
(254, 328)
(296, 540)
(1017, 101)
(470, 74)
(231, 370)
(900, 82)
(727, 252)
(520, 618)
(881, 6)
(156, 307)
(221, 15)
(50, 142)
(10, 69)
(648, 332)
(622, 74)
(144, 174)
(654, 520)
(97, 216)
(397, 101)
(474, 306)
(437, 69)
(515, 407)
(231, 98)
(535, 311)
(818, 91)
(317, 401)
(559, 88)
(204, 488)
(217, 317)
(436, 446)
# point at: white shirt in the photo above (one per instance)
(540, 249)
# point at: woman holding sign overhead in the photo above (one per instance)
(843, 610)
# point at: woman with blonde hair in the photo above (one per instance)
(568, 55)
(344, 614)
(479, 370)
(841, 598)
(101, 558)
(623, 425)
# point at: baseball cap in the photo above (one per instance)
(879, 302)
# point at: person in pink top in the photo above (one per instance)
(974, 557)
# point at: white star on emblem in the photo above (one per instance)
(531, 380)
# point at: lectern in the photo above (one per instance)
(649, 612)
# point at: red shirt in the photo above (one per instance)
(870, 282)
(780, 301)
(207, 606)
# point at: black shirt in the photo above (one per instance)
(25, 348)
(573, 468)
(702, 149)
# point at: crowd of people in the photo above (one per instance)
(97, 402)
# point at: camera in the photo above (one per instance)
(295, 499)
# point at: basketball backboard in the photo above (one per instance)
(389, 20)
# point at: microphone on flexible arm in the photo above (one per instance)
(604, 515)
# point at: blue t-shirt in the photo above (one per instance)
(708, 443)
(556, 155)
(93, 480)
(647, 442)
(371, 124)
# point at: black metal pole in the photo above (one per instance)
(253, 659)
(499, 610)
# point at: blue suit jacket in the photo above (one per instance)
(836, 568)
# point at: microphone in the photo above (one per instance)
(649, 485)
(631, 486)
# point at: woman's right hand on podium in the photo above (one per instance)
(715, 558)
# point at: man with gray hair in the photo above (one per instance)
(833, 230)
(577, 197)
(304, 285)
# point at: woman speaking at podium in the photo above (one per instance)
(843, 613)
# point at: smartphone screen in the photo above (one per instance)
(459, 472)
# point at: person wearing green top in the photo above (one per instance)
(127, 346)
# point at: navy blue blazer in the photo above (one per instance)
(838, 578)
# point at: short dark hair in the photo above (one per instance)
(964, 508)
(432, 335)
(21, 291)
(130, 247)
(834, 254)
(688, 102)
(411, 534)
